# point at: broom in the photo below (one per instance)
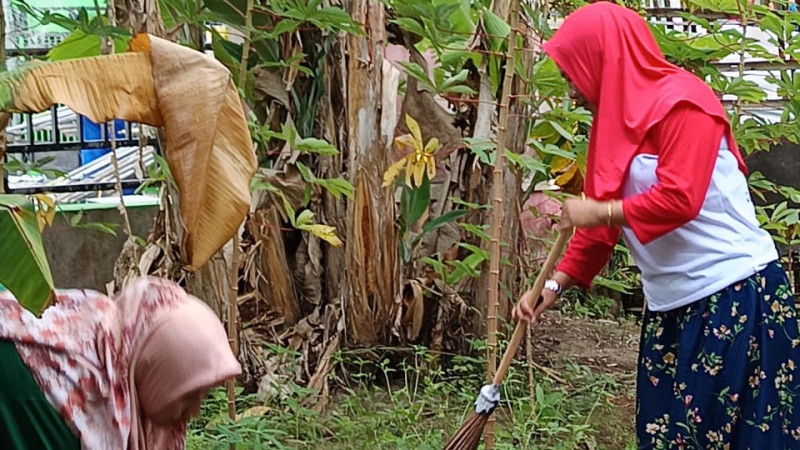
(469, 435)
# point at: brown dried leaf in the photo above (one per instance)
(102, 88)
(270, 84)
(570, 179)
(191, 95)
(414, 304)
(209, 149)
(46, 210)
(255, 411)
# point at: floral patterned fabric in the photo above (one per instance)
(79, 352)
(722, 373)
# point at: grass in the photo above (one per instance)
(416, 404)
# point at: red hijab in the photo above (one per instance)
(610, 55)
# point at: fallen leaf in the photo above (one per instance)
(46, 211)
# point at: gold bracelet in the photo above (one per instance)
(610, 213)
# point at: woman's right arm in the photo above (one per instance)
(588, 251)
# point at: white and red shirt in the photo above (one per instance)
(692, 228)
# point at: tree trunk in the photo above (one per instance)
(140, 16)
(371, 267)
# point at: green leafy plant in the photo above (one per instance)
(393, 401)
(86, 30)
(15, 166)
(24, 270)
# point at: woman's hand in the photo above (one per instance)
(576, 212)
(530, 310)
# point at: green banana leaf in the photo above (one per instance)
(24, 269)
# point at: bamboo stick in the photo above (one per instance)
(4, 117)
(233, 300)
(496, 227)
(107, 48)
(233, 338)
(531, 380)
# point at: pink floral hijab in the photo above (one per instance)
(106, 364)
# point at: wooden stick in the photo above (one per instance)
(496, 225)
(107, 48)
(126, 221)
(519, 330)
(233, 300)
(531, 380)
(233, 339)
(248, 21)
(4, 117)
(549, 372)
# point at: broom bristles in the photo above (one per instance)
(468, 437)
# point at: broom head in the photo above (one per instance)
(469, 435)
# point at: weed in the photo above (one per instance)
(415, 404)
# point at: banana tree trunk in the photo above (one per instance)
(140, 16)
(371, 270)
(328, 295)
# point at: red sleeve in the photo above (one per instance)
(588, 252)
(687, 141)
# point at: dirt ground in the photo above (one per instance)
(605, 346)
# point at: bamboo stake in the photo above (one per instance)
(233, 300)
(4, 117)
(496, 225)
(531, 380)
(248, 21)
(233, 338)
(107, 48)
(118, 183)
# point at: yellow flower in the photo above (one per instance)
(776, 307)
(669, 358)
(416, 164)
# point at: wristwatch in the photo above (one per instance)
(553, 286)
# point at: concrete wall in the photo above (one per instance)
(83, 258)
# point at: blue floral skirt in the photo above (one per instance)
(722, 372)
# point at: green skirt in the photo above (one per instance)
(27, 419)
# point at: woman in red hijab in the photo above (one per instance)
(719, 354)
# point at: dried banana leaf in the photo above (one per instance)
(161, 83)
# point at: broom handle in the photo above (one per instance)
(519, 330)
